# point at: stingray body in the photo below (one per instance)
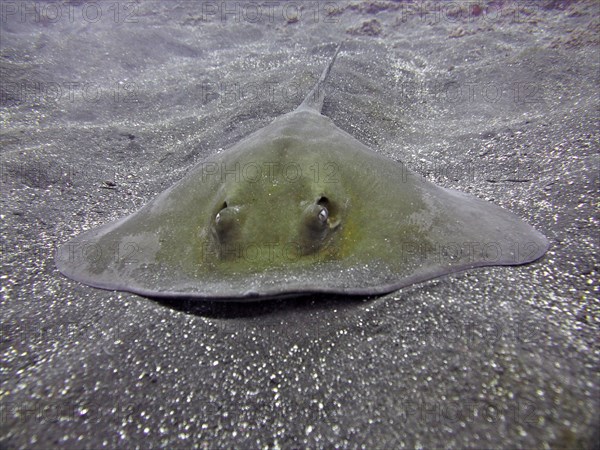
(297, 207)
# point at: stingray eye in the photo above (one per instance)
(315, 226)
(315, 218)
(323, 215)
(219, 216)
(226, 222)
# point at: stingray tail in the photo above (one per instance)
(314, 99)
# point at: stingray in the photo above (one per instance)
(298, 207)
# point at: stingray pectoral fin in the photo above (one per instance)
(486, 233)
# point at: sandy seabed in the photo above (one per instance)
(105, 104)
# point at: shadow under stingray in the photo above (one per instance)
(219, 309)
